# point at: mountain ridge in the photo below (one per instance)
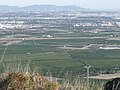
(6, 8)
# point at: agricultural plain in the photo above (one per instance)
(59, 45)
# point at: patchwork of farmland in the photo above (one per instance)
(50, 49)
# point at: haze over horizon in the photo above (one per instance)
(89, 4)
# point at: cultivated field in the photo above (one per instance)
(57, 45)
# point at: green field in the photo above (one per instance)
(46, 55)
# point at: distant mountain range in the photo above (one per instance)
(6, 8)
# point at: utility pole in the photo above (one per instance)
(87, 68)
(88, 72)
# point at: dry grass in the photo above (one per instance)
(34, 81)
(27, 81)
(79, 83)
(17, 77)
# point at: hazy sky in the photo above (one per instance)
(90, 4)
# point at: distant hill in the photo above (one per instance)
(6, 8)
